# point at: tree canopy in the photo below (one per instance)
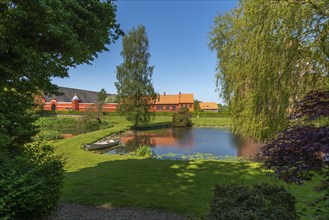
(100, 102)
(197, 106)
(134, 78)
(182, 118)
(270, 53)
(42, 39)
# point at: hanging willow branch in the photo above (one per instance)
(270, 54)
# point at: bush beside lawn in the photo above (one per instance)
(242, 202)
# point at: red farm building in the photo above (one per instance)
(80, 100)
(75, 100)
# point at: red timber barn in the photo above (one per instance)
(80, 100)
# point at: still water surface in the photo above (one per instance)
(190, 141)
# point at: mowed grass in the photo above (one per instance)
(183, 187)
(197, 122)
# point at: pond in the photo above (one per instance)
(180, 142)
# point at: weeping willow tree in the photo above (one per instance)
(270, 53)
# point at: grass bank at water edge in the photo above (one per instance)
(183, 187)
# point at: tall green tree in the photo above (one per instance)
(134, 75)
(197, 106)
(111, 99)
(39, 40)
(270, 53)
(100, 102)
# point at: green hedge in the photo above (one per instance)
(56, 122)
(259, 202)
(57, 112)
(212, 114)
(30, 182)
(201, 114)
(48, 135)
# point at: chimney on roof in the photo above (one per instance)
(164, 93)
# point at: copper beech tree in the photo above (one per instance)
(300, 151)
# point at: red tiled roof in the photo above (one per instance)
(175, 99)
(208, 105)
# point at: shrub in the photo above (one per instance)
(55, 122)
(48, 135)
(30, 182)
(52, 127)
(259, 202)
(143, 151)
(211, 114)
(88, 122)
(295, 154)
(57, 112)
(167, 114)
(182, 118)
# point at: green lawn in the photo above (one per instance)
(198, 122)
(183, 187)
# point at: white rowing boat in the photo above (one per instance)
(101, 144)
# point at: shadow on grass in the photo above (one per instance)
(184, 187)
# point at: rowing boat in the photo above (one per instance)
(101, 144)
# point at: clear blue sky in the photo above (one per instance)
(178, 40)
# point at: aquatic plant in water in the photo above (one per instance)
(143, 151)
(196, 156)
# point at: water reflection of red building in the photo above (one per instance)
(158, 140)
(169, 139)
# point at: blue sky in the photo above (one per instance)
(178, 40)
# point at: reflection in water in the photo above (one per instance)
(249, 148)
(184, 137)
(246, 147)
(134, 142)
(188, 141)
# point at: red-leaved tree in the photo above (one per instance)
(300, 151)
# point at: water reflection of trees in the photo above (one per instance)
(135, 142)
(245, 147)
(183, 136)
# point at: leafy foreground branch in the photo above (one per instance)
(40, 40)
(30, 182)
